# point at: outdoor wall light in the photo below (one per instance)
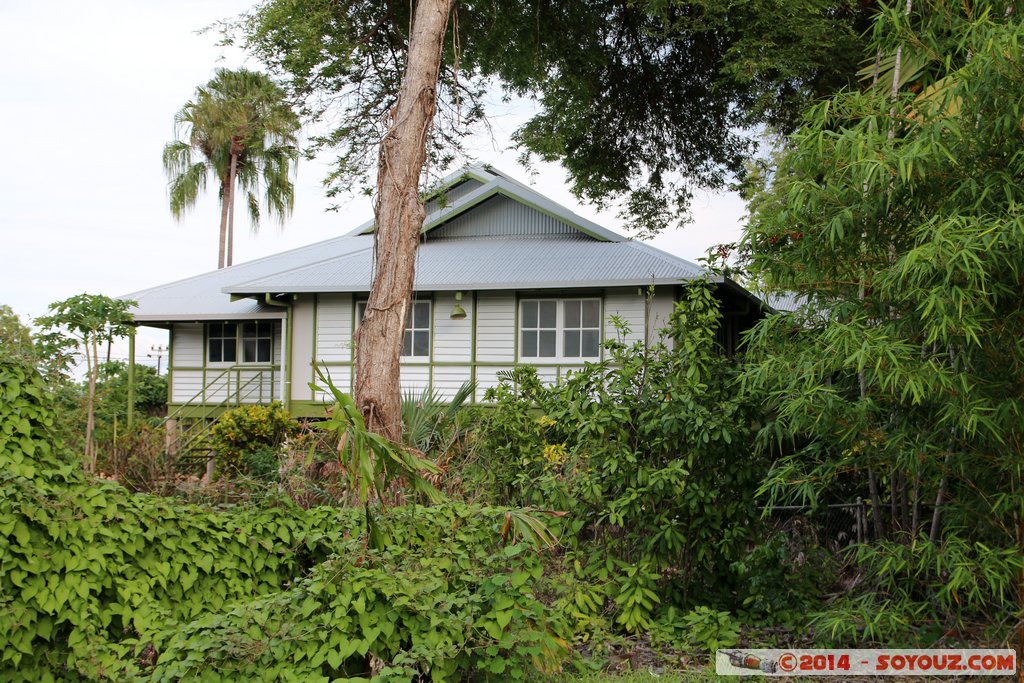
(458, 312)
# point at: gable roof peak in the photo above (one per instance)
(491, 183)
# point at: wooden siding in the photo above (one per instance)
(194, 380)
(629, 304)
(660, 314)
(496, 327)
(322, 328)
(300, 355)
(187, 350)
(487, 377)
(187, 353)
(414, 378)
(334, 328)
(341, 376)
(449, 378)
(453, 339)
(502, 217)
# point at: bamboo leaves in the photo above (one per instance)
(901, 377)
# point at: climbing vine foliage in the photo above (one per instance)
(97, 584)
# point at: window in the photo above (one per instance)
(552, 328)
(222, 343)
(253, 341)
(417, 328)
(539, 324)
(257, 342)
(582, 335)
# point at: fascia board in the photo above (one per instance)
(505, 286)
(205, 317)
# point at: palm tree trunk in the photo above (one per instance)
(399, 216)
(232, 179)
(225, 199)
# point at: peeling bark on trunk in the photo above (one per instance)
(399, 218)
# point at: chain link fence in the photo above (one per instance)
(834, 526)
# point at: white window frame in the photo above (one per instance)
(360, 311)
(239, 346)
(559, 358)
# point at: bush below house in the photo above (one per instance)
(102, 584)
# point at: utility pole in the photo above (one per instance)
(158, 353)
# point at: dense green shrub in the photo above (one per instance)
(650, 452)
(784, 574)
(244, 431)
(438, 601)
(98, 584)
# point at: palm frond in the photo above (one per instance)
(185, 187)
(236, 110)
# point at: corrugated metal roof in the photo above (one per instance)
(201, 297)
(784, 302)
(488, 263)
(523, 258)
(451, 195)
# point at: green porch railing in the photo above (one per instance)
(186, 439)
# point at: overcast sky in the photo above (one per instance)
(89, 94)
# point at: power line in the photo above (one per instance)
(159, 352)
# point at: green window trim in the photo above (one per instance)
(247, 343)
(559, 330)
(418, 340)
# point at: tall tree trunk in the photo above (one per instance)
(399, 218)
(225, 198)
(92, 362)
(232, 181)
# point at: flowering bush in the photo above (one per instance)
(248, 430)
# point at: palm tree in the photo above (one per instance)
(243, 131)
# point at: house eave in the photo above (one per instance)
(206, 317)
(492, 286)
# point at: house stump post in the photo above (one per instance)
(171, 438)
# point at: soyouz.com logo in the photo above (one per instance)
(763, 662)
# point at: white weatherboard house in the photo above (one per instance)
(504, 276)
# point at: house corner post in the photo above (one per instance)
(131, 377)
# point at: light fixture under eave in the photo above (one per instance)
(458, 312)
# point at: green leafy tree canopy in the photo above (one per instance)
(645, 101)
